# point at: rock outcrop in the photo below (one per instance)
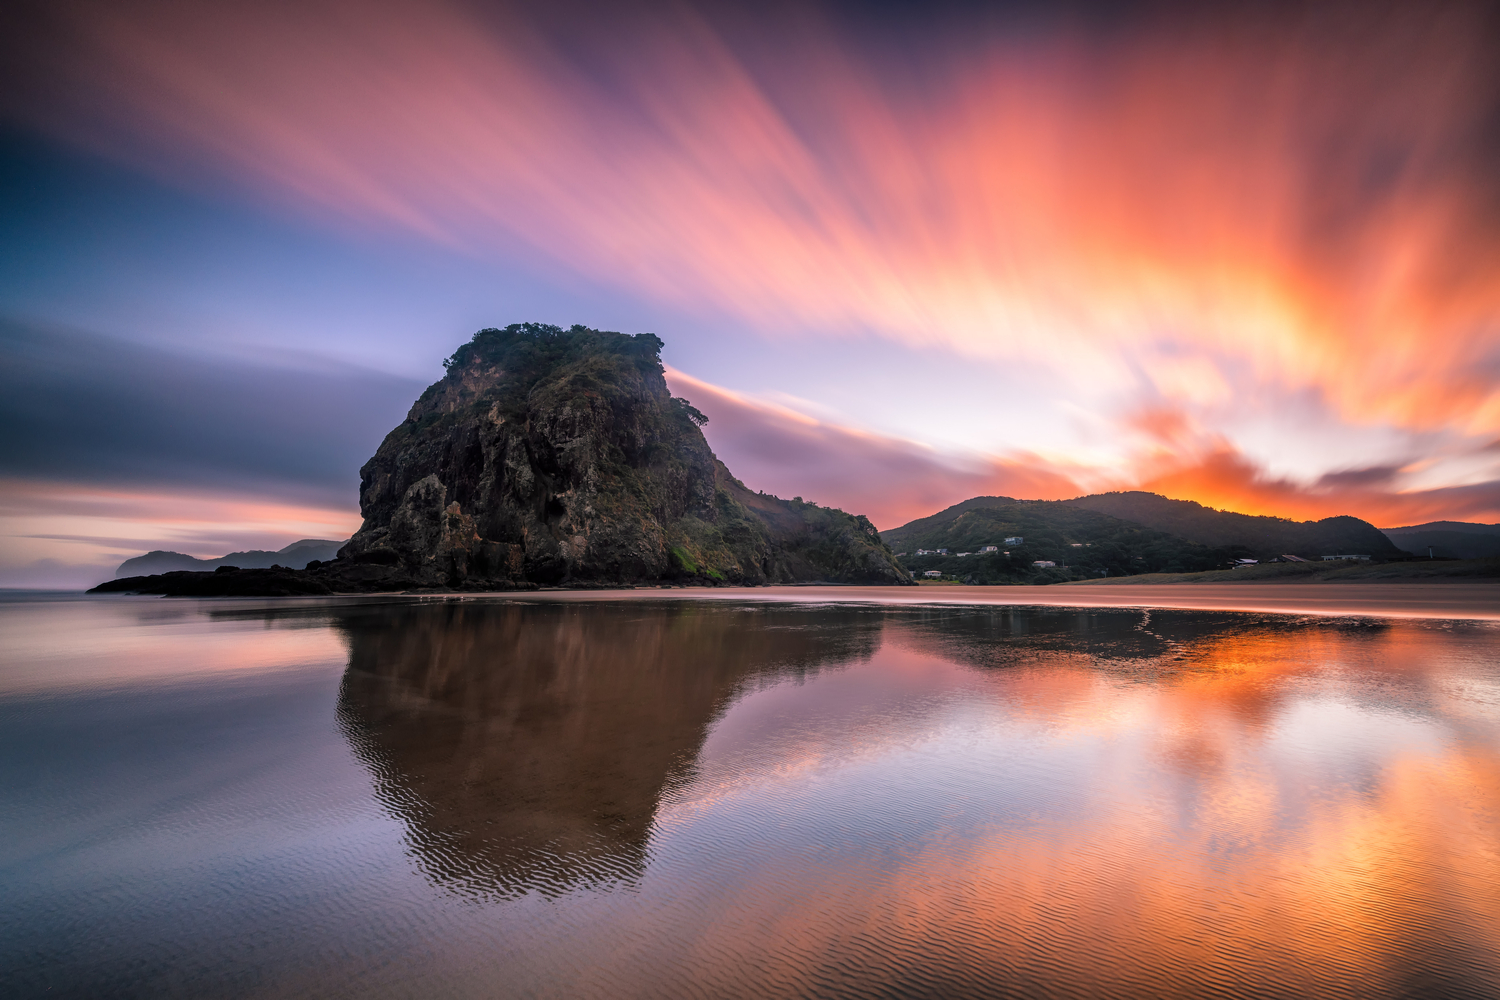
(556, 457)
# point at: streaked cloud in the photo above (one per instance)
(1249, 253)
(781, 450)
(109, 449)
(785, 451)
(80, 407)
(1306, 196)
(72, 535)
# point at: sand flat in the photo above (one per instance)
(1445, 600)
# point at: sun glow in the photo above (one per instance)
(1205, 219)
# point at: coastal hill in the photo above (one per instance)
(294, 556)
(1263, 536)
(559, 457)
(1113, 535)
(1080, 543)
(1448, 539)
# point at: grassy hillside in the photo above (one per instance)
(1262, 536)
(1084, 544)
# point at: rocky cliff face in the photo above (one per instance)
(559, 456)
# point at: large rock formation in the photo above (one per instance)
(559, 456)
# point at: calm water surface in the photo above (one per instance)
(483, 797)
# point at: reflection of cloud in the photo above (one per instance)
(1299, 808)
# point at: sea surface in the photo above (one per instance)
(830, 794)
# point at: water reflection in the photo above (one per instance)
(527, 746)
(981, 802)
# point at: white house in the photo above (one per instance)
(1013, 542)
(1043, 563)
(990, 548)
(933, 574)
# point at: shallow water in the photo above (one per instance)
(606, 798)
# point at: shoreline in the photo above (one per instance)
(1453, 599)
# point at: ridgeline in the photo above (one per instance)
(1114, 535)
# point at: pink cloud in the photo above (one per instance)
(1225, 207)
(1292, 194)
(892, 480)
(888, 479)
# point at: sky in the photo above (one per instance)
(900, 254)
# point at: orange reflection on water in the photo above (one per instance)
(1302, 812)
(947, 801)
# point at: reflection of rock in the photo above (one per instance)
(526, 745)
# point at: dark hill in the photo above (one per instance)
(1262, 536)
(1448, 539)
(1083, 543)
(551, 456)
(296, 556)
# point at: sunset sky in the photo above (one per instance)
(900, 255)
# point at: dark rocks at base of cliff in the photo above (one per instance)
(226, 581)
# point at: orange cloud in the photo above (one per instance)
(1226, 479)
(893, 481)
(1204, 213)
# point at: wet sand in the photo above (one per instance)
(1455, 600)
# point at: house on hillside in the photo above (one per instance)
(1043, 563)
(1348, 558)
(990, 548)
(933, 574)
(1014, 541)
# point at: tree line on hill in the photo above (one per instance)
(1119, 534)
